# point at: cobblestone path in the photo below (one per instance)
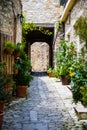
(48, 107)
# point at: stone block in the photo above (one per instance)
(81, 111)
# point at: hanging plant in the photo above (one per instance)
(8, 47)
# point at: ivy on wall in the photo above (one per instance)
(81, 29)
(31, 26)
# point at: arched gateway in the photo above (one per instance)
(38, 36)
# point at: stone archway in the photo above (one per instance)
(39, 37)
(39, 56)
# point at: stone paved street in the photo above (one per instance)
(48, 107)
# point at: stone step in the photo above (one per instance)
(39, 73)
(81, 111)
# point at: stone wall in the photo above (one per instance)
(9, 23)
(39, 56)
(79, 9)
(42, 11)
(10, 29)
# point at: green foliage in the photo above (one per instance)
(9, 46)
(3, 94)
(79, 80)
(65, 57)
(58, 24)
(81, 28)
(31, 26)
(17, 47)
(83, 90)
(49, 70)
(75, 68)
(55, 72)
(23, 63)
(2, 67)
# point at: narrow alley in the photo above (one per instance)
(48, 106)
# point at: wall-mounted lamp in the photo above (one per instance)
(20, 16)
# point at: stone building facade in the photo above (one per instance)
(72, 11)
(44, 12)
(10, 28)
(78, 9)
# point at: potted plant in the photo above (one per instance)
(16, 67)
(56, 73)
(50, 72)
(8, 47)
(64, 73)
(4, 97)
(9, 85)
(2, 85)
(4, 94)
(65, 57)
(23, 77)
(22, 82)
(78, 73)
(17, 49)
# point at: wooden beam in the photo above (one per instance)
(67, 9)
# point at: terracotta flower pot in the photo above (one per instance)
(51, 74)
(21, 91)
(2, 113)
(16, 71)
(2, 104)
(17, 54)
(64, 80)
(8, 88)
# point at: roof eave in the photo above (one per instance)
(67, 9)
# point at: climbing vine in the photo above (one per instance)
(58, 24)
(31, 26)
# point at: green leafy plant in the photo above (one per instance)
(58, 24)
(49, 70)
(23, 63)
(29, 27)
(8, 47)
(83, 90)
(65, 57)
(4, 95)
(56, 72)
(78, 73)
(17, 47)
(16, 66)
